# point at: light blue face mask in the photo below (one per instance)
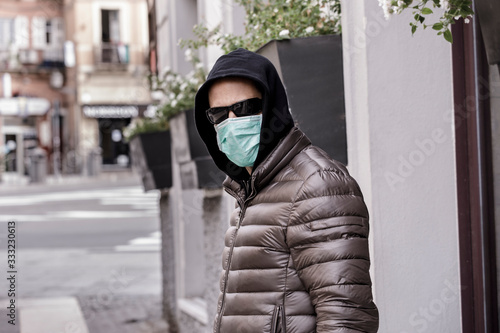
(239, 139)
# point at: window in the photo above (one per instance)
(6, 32)
(110, 26)
(14, 31)
(47, 33)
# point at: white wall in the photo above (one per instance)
(398, 91)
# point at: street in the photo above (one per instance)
(96, 241)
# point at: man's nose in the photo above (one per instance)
(231, 114)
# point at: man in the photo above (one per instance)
(296, 252)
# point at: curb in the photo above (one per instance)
(42, 315)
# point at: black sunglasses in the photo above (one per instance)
(247, 107)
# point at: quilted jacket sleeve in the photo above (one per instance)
(327, 235)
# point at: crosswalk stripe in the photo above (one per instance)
(30, 199)
(150, 243)
(75, 215)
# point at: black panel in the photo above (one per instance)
(209, 175)
(151, 154)
(196, 145)
(312, 73)
(488, 11)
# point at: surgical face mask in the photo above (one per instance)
(239, 139)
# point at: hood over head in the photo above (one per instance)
(276, 118)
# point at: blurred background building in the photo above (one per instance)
(74, 75)
(34, 107)
(111, 47)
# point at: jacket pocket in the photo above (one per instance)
(277, 322)
(338, 221)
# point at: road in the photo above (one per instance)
(97, 241)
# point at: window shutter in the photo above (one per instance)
(6, 33)
(38, 32)
(21, 32)
(57, 32)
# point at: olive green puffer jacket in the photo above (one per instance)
(296, 254)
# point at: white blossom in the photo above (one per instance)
(183, 86)
(275, 10)
(445, 4)
(466, 20)
(284, 33)
(173, 103)
(199, 65)
(328, 13)
(386, 7)
(399, 7)
(309, 30)
(165, 70)
(189, 55)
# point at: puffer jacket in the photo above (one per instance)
(296, 254)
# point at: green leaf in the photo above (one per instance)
(416, 17)
(413, 29)
(465, 8)
(447, 35)
(421, 19)
(437, 26)
(426, 11)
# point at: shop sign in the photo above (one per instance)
(111, 111)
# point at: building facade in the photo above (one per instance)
(34, 109)
(111, 41)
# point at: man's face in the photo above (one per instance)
(227, 91)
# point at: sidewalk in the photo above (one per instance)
(84, 311)
(122, 314)
(14, 182)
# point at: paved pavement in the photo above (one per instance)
(75, 281)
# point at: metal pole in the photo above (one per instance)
(56, 139)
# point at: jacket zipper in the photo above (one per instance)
(277, 320)
(243, 207)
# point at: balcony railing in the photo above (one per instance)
(31, 58)
(112, 55)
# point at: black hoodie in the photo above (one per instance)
(276, 118)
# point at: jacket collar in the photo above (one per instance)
(278, 158)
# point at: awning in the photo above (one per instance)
(24, 106)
